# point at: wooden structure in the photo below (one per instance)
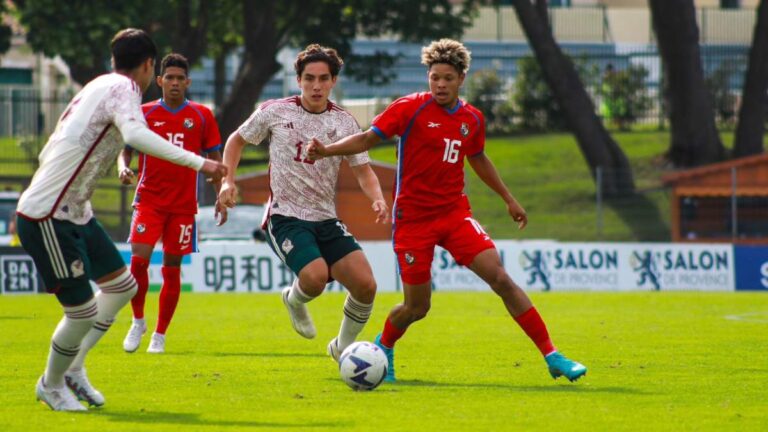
(352, 206)
(722, 202)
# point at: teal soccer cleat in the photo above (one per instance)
(559, 365)
(390, 352)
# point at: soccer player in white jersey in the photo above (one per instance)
(302, 227)
(56, 223)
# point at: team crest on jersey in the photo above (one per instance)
(464, 129)
(77, 267)
(140, 228)
(188, 123)
(287, 246)
(409, 259)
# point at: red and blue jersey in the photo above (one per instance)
(166, 186)
(434, 141)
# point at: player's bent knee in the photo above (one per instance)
(124, 285)
(419, 312)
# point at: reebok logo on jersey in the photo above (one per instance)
(158, 123)
(433, 125)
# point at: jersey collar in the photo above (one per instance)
(174, 111)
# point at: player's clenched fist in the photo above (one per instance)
(215, 170)
(126, 176)
(228, 194)
(315, 150)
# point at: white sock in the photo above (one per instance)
(296, 296)
(66, 340)
(140, 322)
(113, 295)
(356, 314)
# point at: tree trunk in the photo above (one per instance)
(187, 39)
(749, 132)
(258, 65)
(597, 146)
(82, 74)
(695, 140)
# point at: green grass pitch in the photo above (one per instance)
(657, 361)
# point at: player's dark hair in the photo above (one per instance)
(132, 47)
(174, 60)
(316, 53)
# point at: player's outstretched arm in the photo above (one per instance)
(233, 151)
(139, 137)
(484, 169)
(369, 183)
(352, 144)
(124, 171)
(220, 211)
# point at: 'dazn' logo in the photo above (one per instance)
(535, 264)
(644, 263)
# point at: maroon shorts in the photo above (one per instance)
(177, 231)
(456, 232)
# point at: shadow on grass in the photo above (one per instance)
(263, 354)
(193, 419)
(574, 388)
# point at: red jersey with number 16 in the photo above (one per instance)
(433, 143)
(162, 184)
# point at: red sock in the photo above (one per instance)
(169, 297)
(391, 334)
(139, 271)
(530, 321)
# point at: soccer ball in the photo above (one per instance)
(363, 366)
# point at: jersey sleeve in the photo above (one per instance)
(477, 144)
(256, 128)
(211, 134)
(393, 120)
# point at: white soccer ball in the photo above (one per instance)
(363, 366)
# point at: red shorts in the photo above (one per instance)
(456, 232)
(178, 231)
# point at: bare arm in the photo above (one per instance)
(233, 150)
(352, 144)
(370, 186)
(220, 211)
(484, 169)
(124, 171)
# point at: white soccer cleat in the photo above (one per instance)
(133, 338)
(58, 399)
(333, 349)
(77, 381)
(300, 318)
(156, 344)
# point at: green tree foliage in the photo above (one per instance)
(624, 95)
(487, 92)
(80, 30)
(532, 98)
(5, 31)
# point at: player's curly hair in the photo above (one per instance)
(315, 53)
(447, 51)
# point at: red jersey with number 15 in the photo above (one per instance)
(166, 186)
(433, 143)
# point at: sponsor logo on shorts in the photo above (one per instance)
(464, 129)
(287, 246)
(77, 267)
(409, 258)
(188, 123)
(140, 228)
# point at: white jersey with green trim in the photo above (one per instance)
(84, 145)
(299, 187)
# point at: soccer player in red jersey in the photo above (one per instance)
(437, 132)
(165, 203)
